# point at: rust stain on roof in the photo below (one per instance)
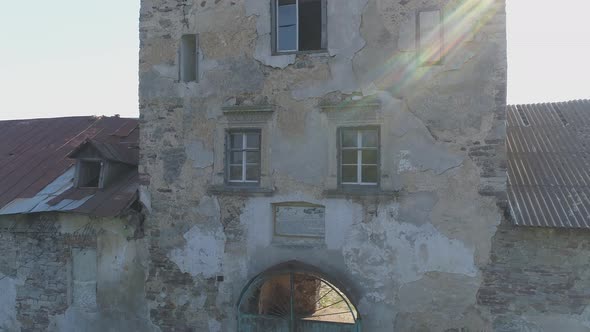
(36, 170)
(549, 164)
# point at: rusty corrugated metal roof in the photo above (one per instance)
(549, 164)
(36, 173)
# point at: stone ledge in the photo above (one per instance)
(298, 242)
(350, 105)
(240, 191)
(246, 109)
(361, 192)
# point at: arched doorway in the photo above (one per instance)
(294, 297)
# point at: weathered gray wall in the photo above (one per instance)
(538, 280)
(45, 288)
(412, 260)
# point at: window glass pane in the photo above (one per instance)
(349, 156)
(235, 173)
(369, 174)
(236, 141)
(370, 156)
(252, 172)
(253, 140)
(236, 157)
(349, 173)
(253, 157)
(310, 25)
(287, 25)
(349, 138)
(370, 138)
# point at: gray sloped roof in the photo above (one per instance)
(549, 164)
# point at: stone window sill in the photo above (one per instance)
(360, 192)
(240, 191)
(319, 52)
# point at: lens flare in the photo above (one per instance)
(459, 24)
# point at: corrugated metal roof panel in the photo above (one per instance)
(549, 164)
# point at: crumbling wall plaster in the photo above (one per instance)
(537, 280)
(404, 252)
(202, 253)
(44, 291)
(199, 154)
(8, 320)
(429, 232)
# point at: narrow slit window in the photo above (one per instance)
(243, 156)
(359, 156)
(189, 54)
(300, 25)
(430, 37)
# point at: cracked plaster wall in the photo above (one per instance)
(37, 277)
(411, 259)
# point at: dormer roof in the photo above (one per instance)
(126, 153)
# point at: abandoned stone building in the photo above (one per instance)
(304, 165)
(318, 165)
(73, 255)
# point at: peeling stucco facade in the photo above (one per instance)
(412, 255)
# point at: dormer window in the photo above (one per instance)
(101, 164)
(89, 174)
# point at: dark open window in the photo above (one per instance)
(359, 156)
(89, 173)
(243, 157)
(299, 25)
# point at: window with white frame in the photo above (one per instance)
(359, 156)
(243, 157)
(299, 25)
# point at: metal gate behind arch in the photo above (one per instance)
(291, 301)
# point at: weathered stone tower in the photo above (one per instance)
(357, 142)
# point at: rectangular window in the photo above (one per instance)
(89, 173)
(300, 25)
(359, 156)
(430, 37)
(188, 54)
(243, 157)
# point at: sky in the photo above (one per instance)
(79, 57)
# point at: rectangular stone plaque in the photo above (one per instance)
(299, 220)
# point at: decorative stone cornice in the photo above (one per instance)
(364, 104)
(246, 109)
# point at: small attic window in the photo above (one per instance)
(89, 174)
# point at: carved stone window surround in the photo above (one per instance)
(358, 114)
(257, 117)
